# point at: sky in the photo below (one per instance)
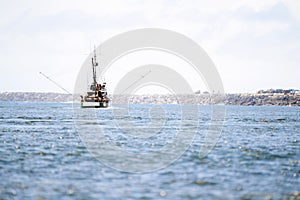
(254, 44)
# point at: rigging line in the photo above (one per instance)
(55, 83)
(142, 76)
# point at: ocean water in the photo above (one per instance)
(43, 154)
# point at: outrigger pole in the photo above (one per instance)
(55, 83)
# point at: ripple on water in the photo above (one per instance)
(42, 156)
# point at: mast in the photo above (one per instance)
(94, 64)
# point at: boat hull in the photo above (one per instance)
(94, 105)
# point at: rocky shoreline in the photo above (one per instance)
(256, 99)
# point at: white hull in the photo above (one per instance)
(94, 105)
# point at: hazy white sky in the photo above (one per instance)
(254, 44)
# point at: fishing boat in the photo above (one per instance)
(97, 96)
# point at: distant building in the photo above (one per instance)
(278, 91)
(198, 92)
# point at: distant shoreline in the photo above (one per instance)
(246, 99)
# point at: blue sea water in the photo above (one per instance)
(42, 156)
